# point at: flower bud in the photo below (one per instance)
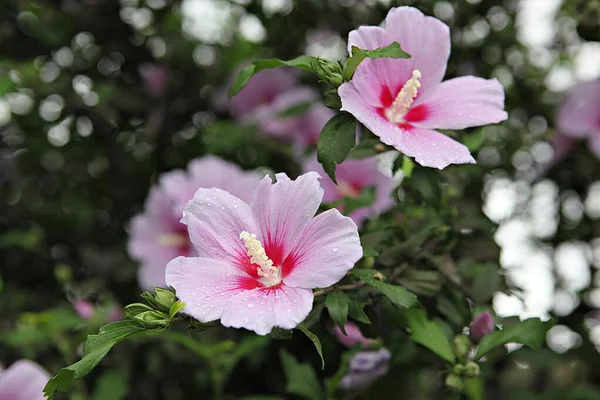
(482, 325)
(352, 337)
(455, 383)
(462, 346)
(329, 72)
(472, 369)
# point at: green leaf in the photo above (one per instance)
(408, 165)
(357, 312)
(531, 332)
(369, 252)
(429, 334)
(315, 339)
(473, 141)
(397, 294)
(279, 333)
(358, 55)
(336, 140)
(337, 304)
(301, 379)
(474, 388)
(302, 62)
(112, 385)
(94, 350)
(486, 283)
(26, 240)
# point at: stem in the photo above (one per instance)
(351, 286)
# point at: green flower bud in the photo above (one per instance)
(164, 298)
(458, 369)
(462, 346)
(152, 318)
(455, 383)
(329, 72)
(472, 369)
(332, 99)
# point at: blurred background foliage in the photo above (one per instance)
(98, 97)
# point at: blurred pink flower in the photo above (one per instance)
(482, 325)
(262, 89)
(403, 101)
(579, 114)
(156, 78)
(353, 176)
(83, 308)
(365, 368)
(271, 118)
(310, 125)
(257, 264)
(156, 235)
(24, 380)
(86, 310)
(352, 337)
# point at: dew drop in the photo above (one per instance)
(335, 249)
(250, 305)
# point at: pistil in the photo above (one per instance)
(405, 98)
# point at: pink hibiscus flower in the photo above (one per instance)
(579, 115)
(403, 101)
(353, 176)
(156, 236)
(24, 380)
(257, 264)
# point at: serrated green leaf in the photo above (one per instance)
(336, 140)
(302, 62)
(429, 334)
(531, 333)
(356, 311)
(394, 50)
(315, 339)
(301, 379)
(397, 294)
(94, 350)
(337, 304)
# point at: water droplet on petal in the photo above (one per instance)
(335, 249)
(250, 305)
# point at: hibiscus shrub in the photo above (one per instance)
(312, 199)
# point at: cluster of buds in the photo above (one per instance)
(160, 311)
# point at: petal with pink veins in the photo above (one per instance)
(462, 103)
(215, 220)
(426, 39)
(206, 286)
(284, 208)
(433, 149)
(24, 380)
(261, 310)
(328, 248)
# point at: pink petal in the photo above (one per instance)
(215, 220)
(143, 244)
(210, 171)
(428, 148)
(367, 38)
(328, 248)
(261, 310)
(310, 127)
(433, 149)
(83, 308)
(177, 188)
(426, 39)
(362, 174)
(352, 337)
(579, 114)
(284, 208)
(462, 103)
(205, 285)
(24, 380)
(152, 273)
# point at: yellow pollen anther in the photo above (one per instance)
(259, 257)
(172, 240)
(404, 100)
